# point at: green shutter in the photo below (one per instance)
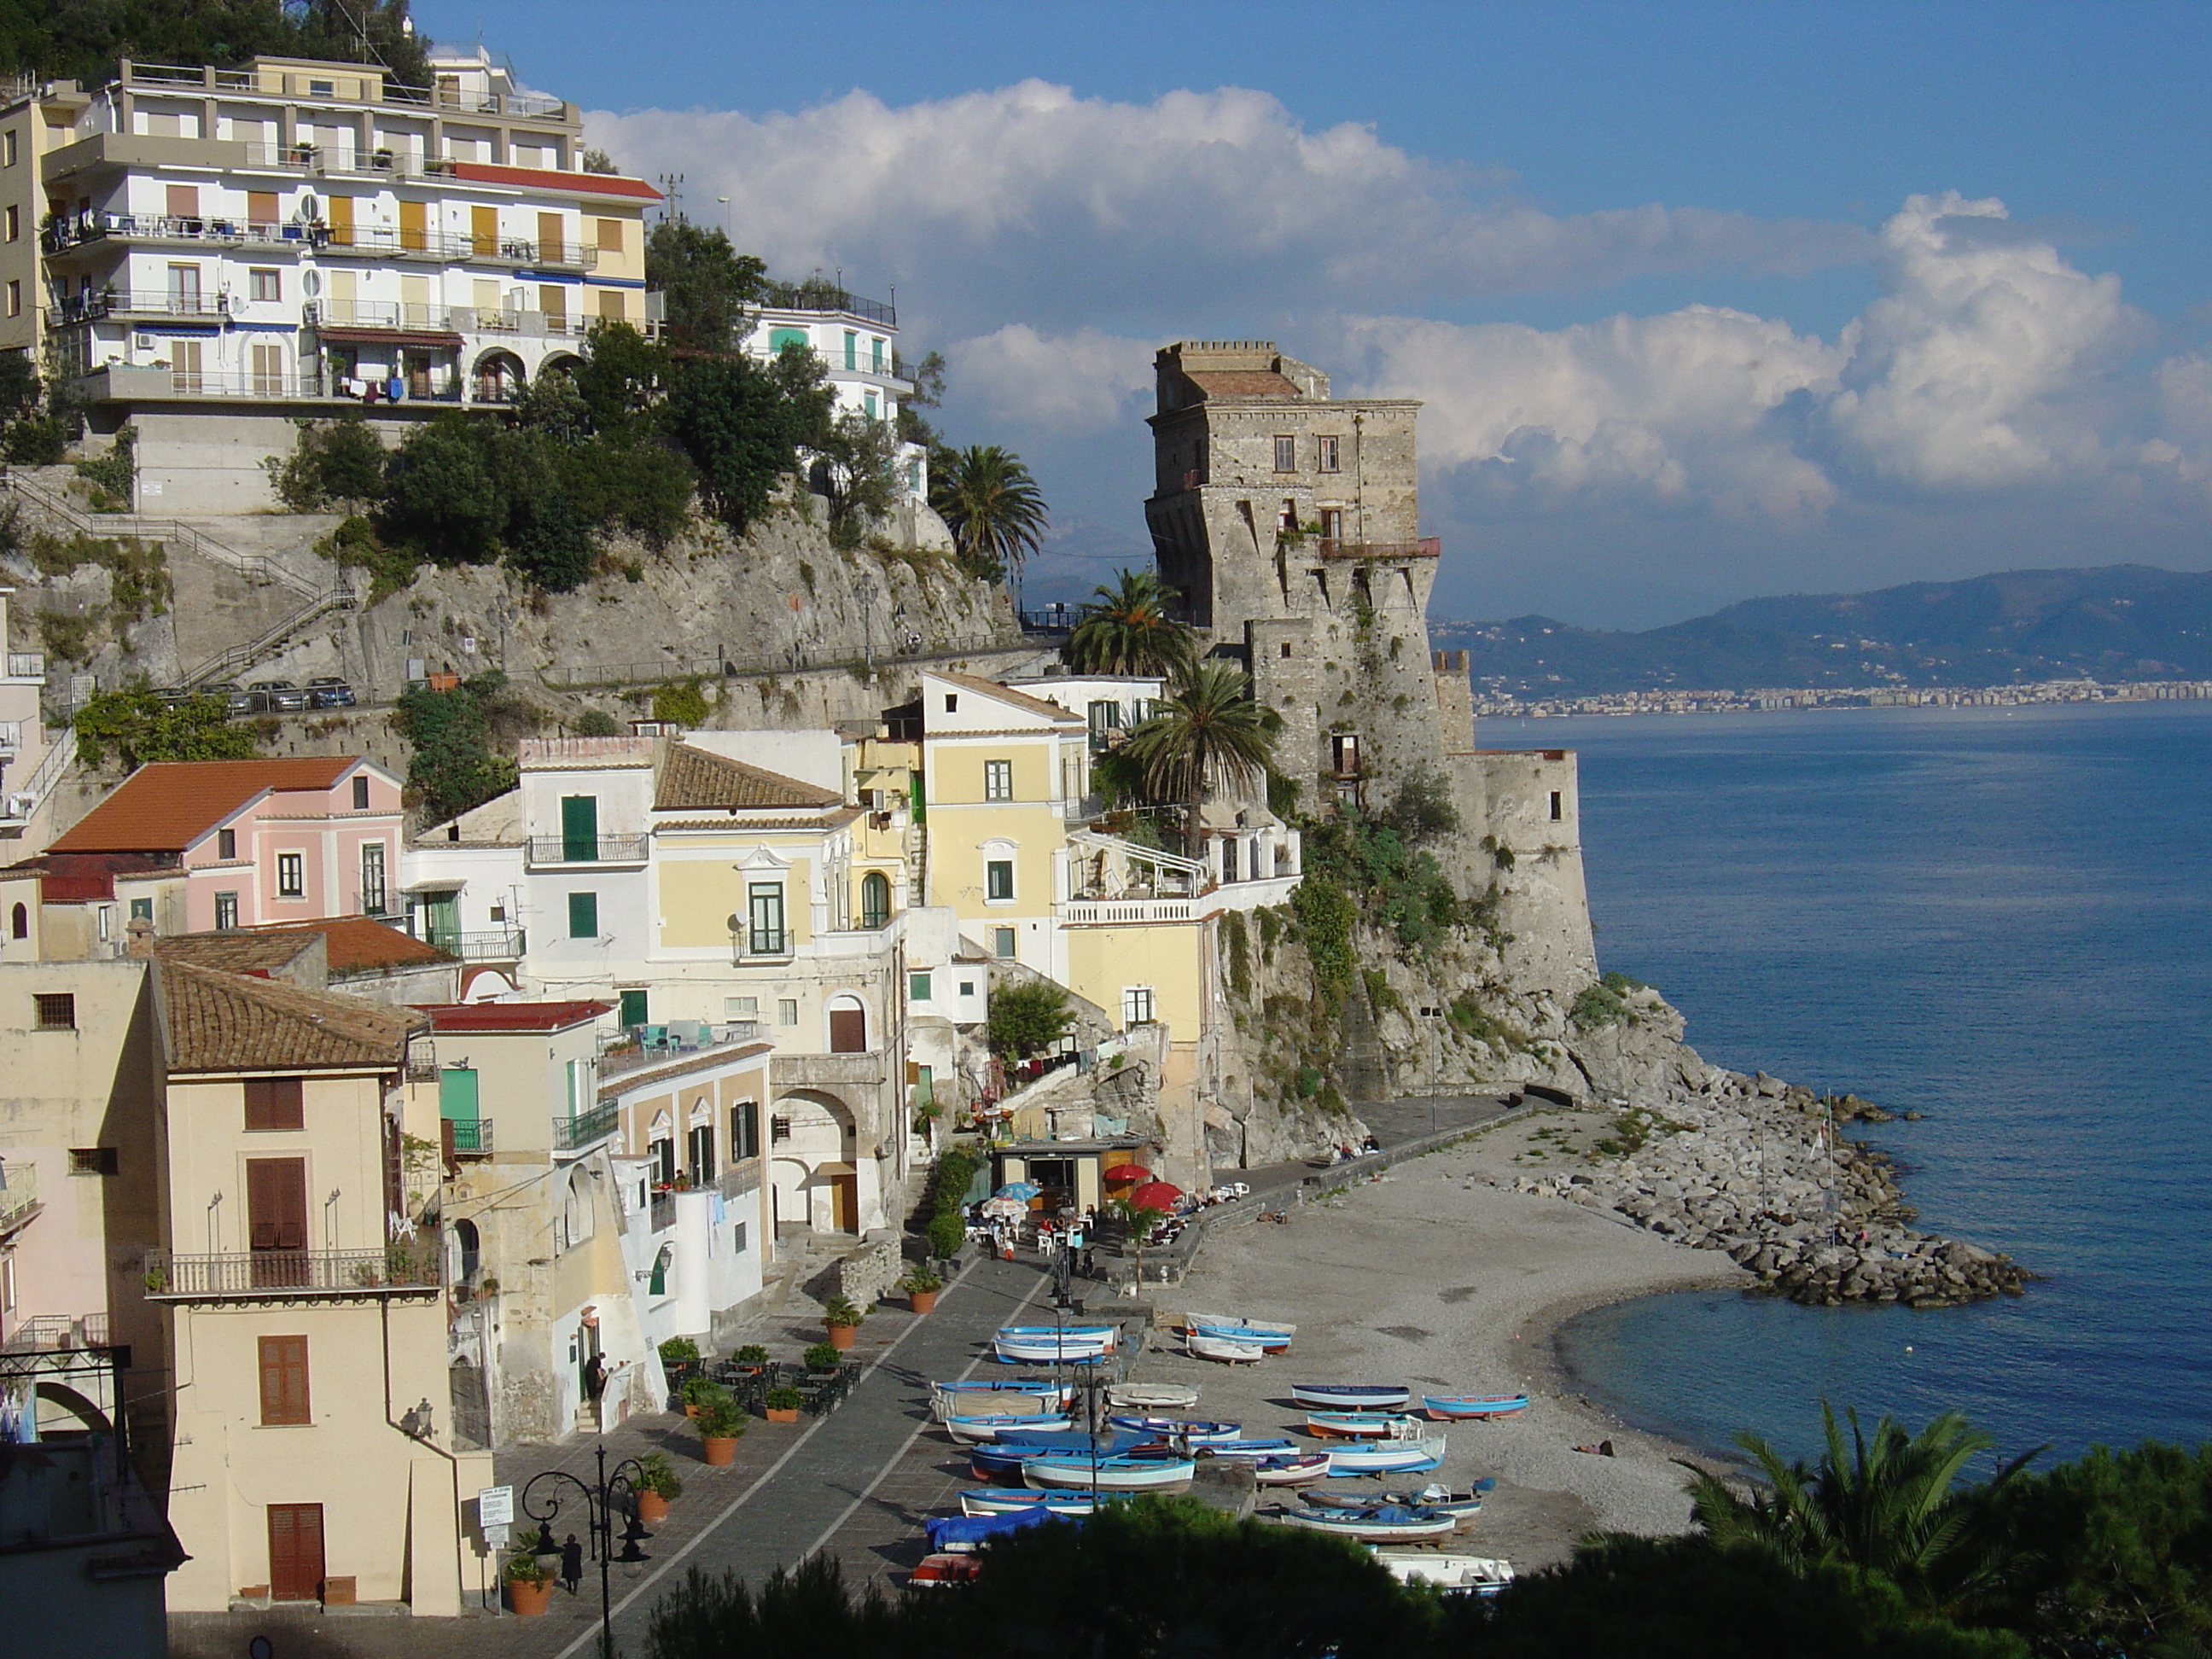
(633, 1008)
(580, 829)
(917, 988)
(920, 806)
(583, 915)
(457, 1093)
(780, 337)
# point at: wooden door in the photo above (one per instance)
(276, 1219)
(483, 231)
(341, 220)
(414, 226)
(845, 1203)
(848, 1031)
(296, 1552)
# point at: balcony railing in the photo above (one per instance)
(377, 314)
(405, 242)
(398, 1268)
(587, 849)
(72, 308)
(1428, 547)
(127, 381)
(467, 1136)
(663, 1211)
(573, 1134)
(794, 296)
(19, 1200)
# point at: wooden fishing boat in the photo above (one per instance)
(1153, 1396)
(1274, 1337)
(1281, 1328)
(1387, 1457)
(1047, 1349)
(936, 1571)
(1364, 1425)
(1190, 1431)
(1103, 1335)
(1454, 1408)
(1384, 1523)
(1350, 1396)
(1228, 1352)
(1293, 1470)
(972, 1429)
(1247, 1451)
(1461, 1506)
(1455, 1575)
(1125, 1472)
(1008, 1500)
(1007, 1394)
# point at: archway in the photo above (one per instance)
(875, 899)
(816, 1181)
(848, 1025)
(498, 377)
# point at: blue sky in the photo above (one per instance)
(1705, 300)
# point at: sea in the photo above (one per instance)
(1999, 918)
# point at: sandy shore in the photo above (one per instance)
(1433, 1277)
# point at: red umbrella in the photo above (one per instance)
(1155, 1195)
(1122, 1173)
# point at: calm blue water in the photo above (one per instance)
(2001, 918)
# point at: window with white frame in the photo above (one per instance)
(1137, 1005)
(1326, 455)
(1002, 942)
(787, 1010)
(998, 779)
(740, 1007)
(291, 876)
(372, 879)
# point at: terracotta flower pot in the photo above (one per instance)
(720, 1450)
(922, 1301)
(782, 1414)
(840, 1336)
(690, 1409)
(527, 1597)
(652, 1509)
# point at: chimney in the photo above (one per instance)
(139, 938)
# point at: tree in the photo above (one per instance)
(1127, 629)
(81, 40)
(859, 467)
(741, 429)
(928, 377)
(1423, 810)
(622, 379)
(992, 504)
(340, 460)
(446, 498)
(137, 728)
(453, 766)
(709, 287)
(1027, 1018)
(804, 1609)
(1886, 1507)
(1208, 733)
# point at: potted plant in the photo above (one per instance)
(823, 1356)
(697, 1391)
(721, 1421)
(781, 1405)
(922, 1287)
(750, 1360)
(529, 1584)
(657, 1487)
(947, 1233)
(841, 1317)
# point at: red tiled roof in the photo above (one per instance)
(1005, 694)
(165, 806)
(488, 1017)
(220, 1022)
(696, 780)
(1243, 383)
(601, 183)
(352, 944)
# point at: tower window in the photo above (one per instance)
(1286, 452)
(1324, 454)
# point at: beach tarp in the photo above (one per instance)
(950, 1531)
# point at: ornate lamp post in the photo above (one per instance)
(601, 1500)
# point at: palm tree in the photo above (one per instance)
(1127, 629)
(1887, 1506)
(1206, 732)
(990, 502)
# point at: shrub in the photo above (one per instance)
(681, 702)
(919, 1278)
(721, 1418)
(823, 1356)
(523, 1567)
(841, 1312)
(752, 1355)
(656, 1473)
(444, 496)
(135, 726)
(679, 1351)
(355, 543)
(1235, 947)
(597, 723)
(1424, 809)
(1500, 853)
(1324, 915)
(1596, 1007)
(340, 460)
(453, 766)
(114, 476)
(946, 1234)
(742, 431)
(1027, 1018)
(785, 1398)
(644, 487)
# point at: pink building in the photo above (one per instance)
(258, 840)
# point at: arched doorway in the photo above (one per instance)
(816, 1182)
(848, 1025)
(875, 899)
(497, 377)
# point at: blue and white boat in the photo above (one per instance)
(1048, 1345)
(988, 1426)
(1452, 1407)
(1127, 1472)
(1455, 1575)
(1004, 1393)
(1250, 1450)
(1190, 1431)
(1005, 1500)
(1384, 1523)
(1364, 1425)
(1101, 1335)
(1294, 1468)
(1387, 1457)
(1269, 1333)
(1462, 1506)
(1350, 1396)
(1229, 1352)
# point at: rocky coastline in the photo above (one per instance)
(1758, 1169)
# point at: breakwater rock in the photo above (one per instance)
(1755, 1167)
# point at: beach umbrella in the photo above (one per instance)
(1004, 1207)
(1155, 1195)
(1121, 1173)
(1022, 1190)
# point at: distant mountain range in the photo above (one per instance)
(2123, 622)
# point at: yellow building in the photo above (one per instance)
(313, 1448)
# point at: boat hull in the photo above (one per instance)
(1190, 1433)
(1151, 1397)
(1455, 1575)
(1350, 1396)
(1382, 1527)
(1009, 1500)
(1455, 1409)
(1229, 1353)
(1112, 1474)
(1363, 1425)
(1291, 1471)
(973, 1430)
(1386, 1457)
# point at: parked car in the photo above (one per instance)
(282, 696)
(236, 700)
(329, 692)
(171, 695)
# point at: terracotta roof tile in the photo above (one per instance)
(1244, 383)
(219, 1022)
(488, 1017)
(694, 780)
(1008, 694)
(165, 806)
(355, 945)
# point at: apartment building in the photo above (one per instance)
(210, 254)
(244, 842)
(28, 761)
(315, 1456)
(857, 340)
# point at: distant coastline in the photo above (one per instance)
(1768, 700)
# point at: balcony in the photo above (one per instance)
(1107, 913)
(11, 737)
(822, 297)
(662, 1211)
(466, 1137)
(390, 316)
(573, 1135)
(587, 849)
(398, 1269)
(79, 230)
(74, 308)
(27, 665)
(820, 1071)
(128, 383)
(1428, 547)
(19, 1199)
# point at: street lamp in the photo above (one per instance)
(599, 1501)
(1432, 1014)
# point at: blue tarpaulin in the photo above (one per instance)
(951, 1531)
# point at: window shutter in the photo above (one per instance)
(275, 1103)
(284, 1379)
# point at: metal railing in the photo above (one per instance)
(470, 1134)
(663, 1211)
(794, 296)
(73, 309)
(603, 849)
(389, 91)
(77, 229)
(377, 314)
(494, 945)
(20, 1196)
(26, 664)
(396, 1266)
(572, 1134)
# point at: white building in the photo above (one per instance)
(857, 340)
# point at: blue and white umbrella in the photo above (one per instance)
(1022, 1190)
